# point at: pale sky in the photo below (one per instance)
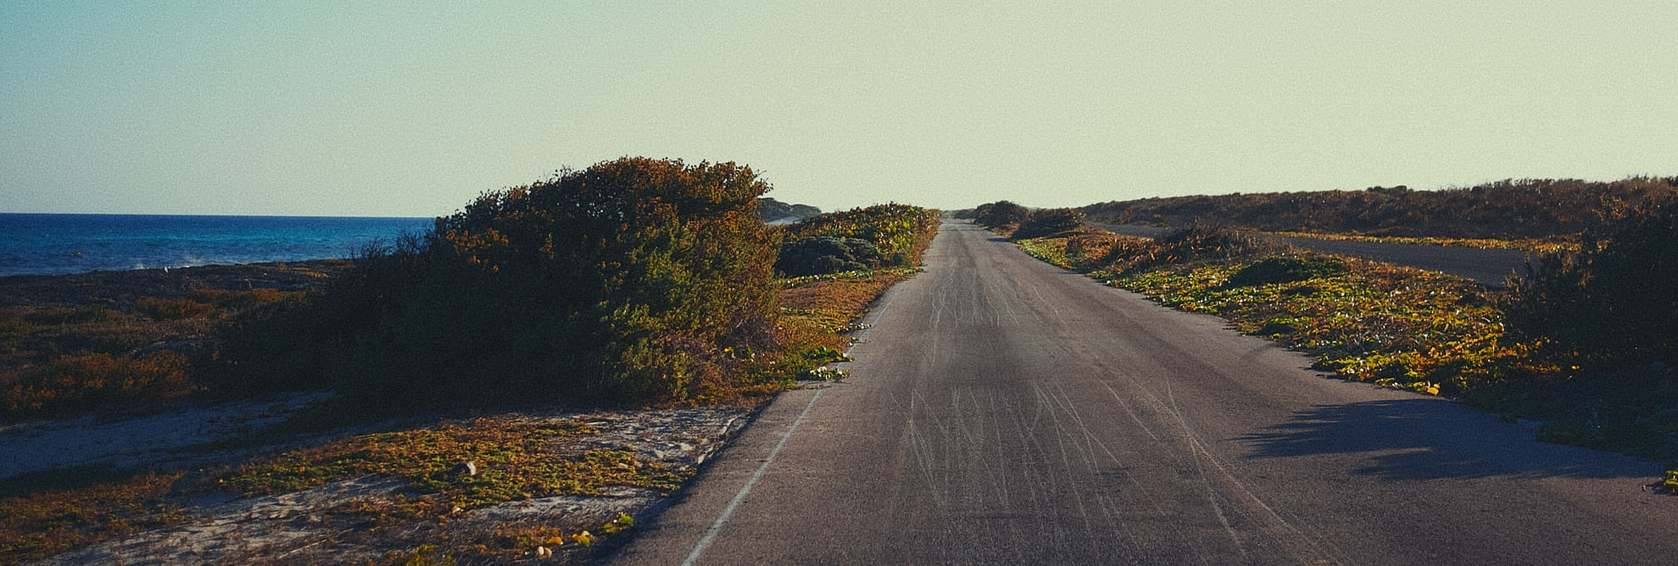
(351, 108)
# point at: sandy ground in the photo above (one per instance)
(310, 527)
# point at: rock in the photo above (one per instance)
(544, 553)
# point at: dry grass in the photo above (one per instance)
(60, 360)
(41, 523)
(80, 382)
(834, 302)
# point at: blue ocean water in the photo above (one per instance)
(33, 244)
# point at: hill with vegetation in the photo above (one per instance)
(771, 210)
(1526, 208)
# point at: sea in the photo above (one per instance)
(48, 244)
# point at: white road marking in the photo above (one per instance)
(727, 512)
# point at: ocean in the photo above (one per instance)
(42, 244)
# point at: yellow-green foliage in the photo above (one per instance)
(1389, 325)
(1546, 245)
(1363, 320)
(516, 459)
(900, 231)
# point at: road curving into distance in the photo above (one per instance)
(1488, 266)
(1003, 411)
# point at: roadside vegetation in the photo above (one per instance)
(78, 343)
(1511, 209)
(635, 284)
(1582, 343)
(1532, 245)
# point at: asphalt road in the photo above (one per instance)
(1487, 266)
(1003, 411)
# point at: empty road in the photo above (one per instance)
(1488, 266)
(1003, 411)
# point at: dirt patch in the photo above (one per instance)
(389, 518)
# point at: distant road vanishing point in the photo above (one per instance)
(1003, 411)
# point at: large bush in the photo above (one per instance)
(1000, 213)
(1050, 221)
(827, 254)
(626, 280)
(1615, 300)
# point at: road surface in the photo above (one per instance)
(1487, 266)
(1003, 411)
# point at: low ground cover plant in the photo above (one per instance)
(61, 360)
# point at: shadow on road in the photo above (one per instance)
(1422, 439)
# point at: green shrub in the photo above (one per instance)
(1285, 269)
(900, 232)
(827, 254)
(1612, 302)
(1050, 221)
(1000, 213)
(624, 281)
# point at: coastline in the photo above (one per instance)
(120, 288)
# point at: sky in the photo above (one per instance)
(413, 108)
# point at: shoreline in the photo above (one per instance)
(121, 288)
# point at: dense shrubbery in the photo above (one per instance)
(827, 254)
(1001, 213)
(631, 279)
(1285, 269)
(1615, 300)
(886, 235)
(86, 381)
(1506, 209)
(1188, 245)
(1049, 221)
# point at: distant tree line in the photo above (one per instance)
(1530, 208)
